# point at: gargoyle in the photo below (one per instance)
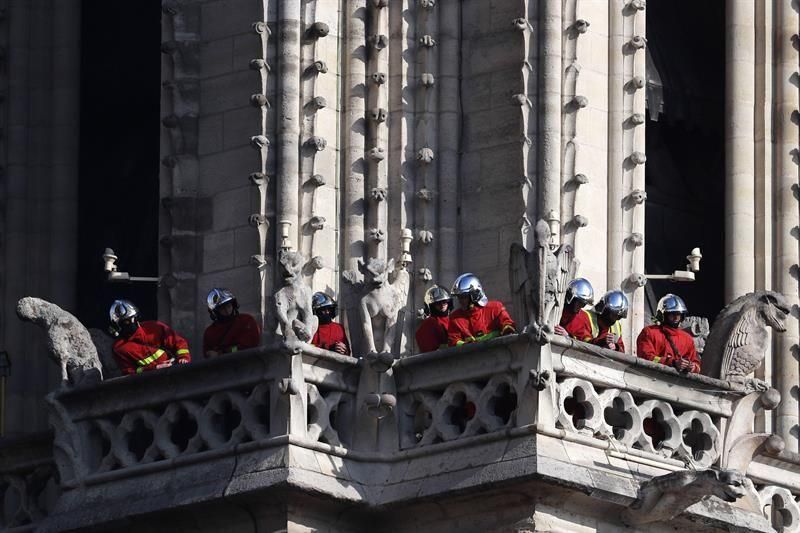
(381, 304)
(697, 327)
(665, 497)
(68, 341)
(539, 279)
(293, 300)
(738, 338)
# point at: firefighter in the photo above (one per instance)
(432, 332)
(575, 320)
(477, 318)
(230, 330)
(144, 346)
(606, 328)
(330, 335)
(664, 342)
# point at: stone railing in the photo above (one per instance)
(28, 487)
(375, 431)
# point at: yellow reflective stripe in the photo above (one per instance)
(147, 360)
(656, 359)
(181, 352)
(488, 336)
(234, 349)
(592, 322)
(616, 328)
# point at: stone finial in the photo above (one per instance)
(318, 30)
(638, 158)
(257, 219)
(320, 66)
(383, 299)
(378, 41)
(637, 82)
(637, 42)
(427, 79)
(378, 114)
(259, 64)
(379, 194)
(68, 341)
(257, 178)
(377, 235)
(317, 143)
(581, 26)
(738, 338)
(427, 41)
(637, 197)
(261, 28)
(376, 153)
(425, 155)
(293, 299)
(425, 236)
(259, 100)
(259, 141)
(379, 78)
(317, 180)
(316, 223)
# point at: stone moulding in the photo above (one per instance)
(487, 413)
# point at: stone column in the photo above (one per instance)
(739, 148)
(786, 249)
(550, 71)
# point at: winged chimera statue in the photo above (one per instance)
(539, 279)
(738, 338)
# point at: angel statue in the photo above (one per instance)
(539, 279)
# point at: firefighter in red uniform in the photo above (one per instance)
(230, 330)
(606, 328)
(575, 320)
(478, 319)
(664, 342)
(432, 332)
(330, 335)
(144, 346)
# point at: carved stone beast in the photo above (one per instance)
(381, 304)
(68, 341)
(293, 300)
(738, 338)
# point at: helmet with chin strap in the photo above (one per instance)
(321, 300)
(613, 304)
(670, 303)
(580, 289)
(468, 284)
(217, 298)
(121, 312)
(434, 295)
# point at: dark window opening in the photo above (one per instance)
(119, 154)
(685, 169)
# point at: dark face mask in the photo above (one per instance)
(127, 329)
(325, 315)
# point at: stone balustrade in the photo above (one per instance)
(364, 431)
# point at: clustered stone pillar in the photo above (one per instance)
(787, 143)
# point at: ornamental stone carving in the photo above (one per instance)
(381, 304)
(293, 300)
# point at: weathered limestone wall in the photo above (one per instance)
(39, 126)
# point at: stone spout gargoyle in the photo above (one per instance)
(68, 341)
(539, 279)
(293, 300)
(665, 497)
(381, 303)
(738, 339)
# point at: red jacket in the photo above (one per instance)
(479, 323)
(151, 344)
(227, 336)
(329, 334)
(432, 333)
(578, 325)
(652, 345)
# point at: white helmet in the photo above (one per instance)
(434, 295)
(670, 303)
(122, 310)
(469, 284)
(615, 302)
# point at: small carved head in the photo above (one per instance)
(425, 155)
(317, 143)
(378, 194)
(378, 114)
(427, 79)
(320, 66)
(427, 41)
(773, 309)
(379, 78)
(377, 235)
(318, 30)
(425, 236)
(376, 271)
(427, 4)
(377, 153)
(378, 41)
(637, 196)
(290, 264)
